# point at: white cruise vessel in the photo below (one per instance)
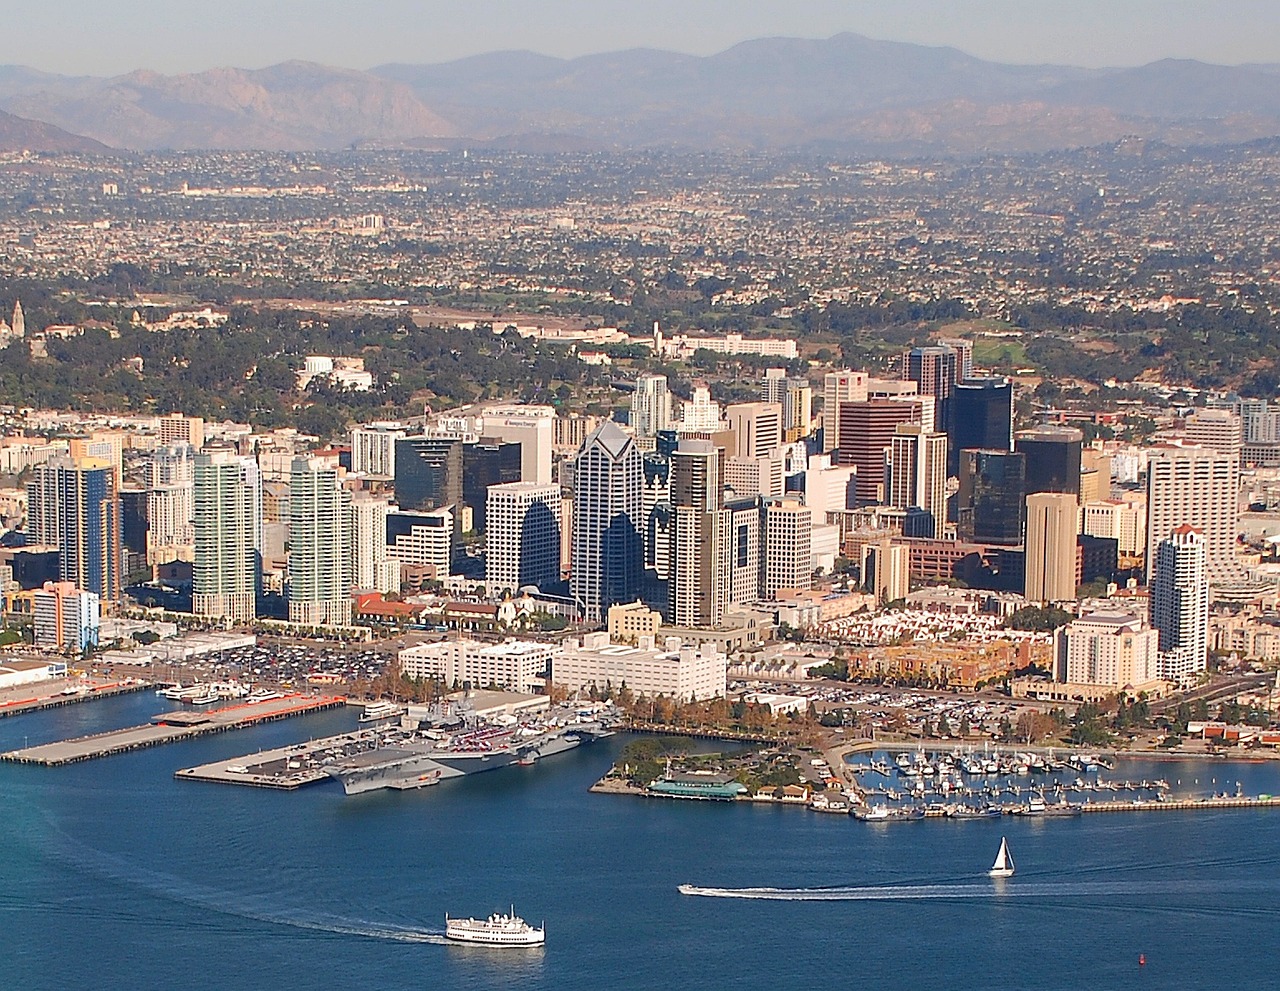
(497, 930)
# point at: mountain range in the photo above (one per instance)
(842, 94)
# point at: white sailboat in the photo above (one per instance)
(1003, 867)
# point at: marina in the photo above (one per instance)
(168, 727)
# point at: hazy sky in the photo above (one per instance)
(110, 36)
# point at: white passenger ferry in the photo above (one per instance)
(497, 930)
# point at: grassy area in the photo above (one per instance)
(8, 637)
(999, 352)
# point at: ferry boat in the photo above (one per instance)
(376, 712)
(497, 930)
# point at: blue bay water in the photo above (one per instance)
(114, 875)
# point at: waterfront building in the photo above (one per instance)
(74, 505)
(916, 474)
(514, 665)
(1197, 487)
(522, 537)
(1107, 648)
(1052, 458)
(674, 670)
(1180, 603)
(991, 501)
(320, 545)
(65, 617)
(227, 535)
(608, 504)
(1052, 529)
(846, 386)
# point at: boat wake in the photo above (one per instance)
(918, 892)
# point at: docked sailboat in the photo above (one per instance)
(1003, 867)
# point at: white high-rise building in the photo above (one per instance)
(650, 405)
(698, 588)
(1180, 603)
(1219, 429)
(608, 512)
(1124, 522)
(373, 448)
(1197, 487)
(828, 489)
(422, 538)
(371, 567)
(522, 536)
(839, 387)
(533, 428)
(788, 551)
(171, 503)
(700, 413)
(227, 492)
(319, 545)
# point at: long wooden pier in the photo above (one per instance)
(171, 726)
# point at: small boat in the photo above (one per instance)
(1003, 867)
(877, 813)
(497, 930)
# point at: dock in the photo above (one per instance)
(284, 768)
(58, 692)
(172, 726)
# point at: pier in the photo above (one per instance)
(284, 768)
(172, 726)
(57, 693)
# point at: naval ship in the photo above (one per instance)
(419, 760)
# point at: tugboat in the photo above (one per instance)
(497, 930)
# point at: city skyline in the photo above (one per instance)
(79, 38)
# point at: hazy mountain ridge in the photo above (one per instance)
(21, 134)
(846, 92)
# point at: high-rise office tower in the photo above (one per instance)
(608, 504)
(964, 356)
(991, 503)
(1197, 487)
(534, 429)
(845, 386)
(428, 472)
(178, 429)
(227, 496)
(650, 405)
(788, 549)
(1180, 603)
(916, 473)
(522, 537)
(795, 396)
(1220, 430)
(319, 545)
(933, 370)
(698, 592)
(422, 538)
(700, 412)
(73, 504)
(484, 464)
(981, 417)
(1053, 458)
(867, 430)
(1052, 525)
(757, 428)
(742, 550)
(170, 503)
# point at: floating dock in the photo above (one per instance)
(170, 726)
(285, 768)
(54, 694)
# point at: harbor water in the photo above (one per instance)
(114, 875)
